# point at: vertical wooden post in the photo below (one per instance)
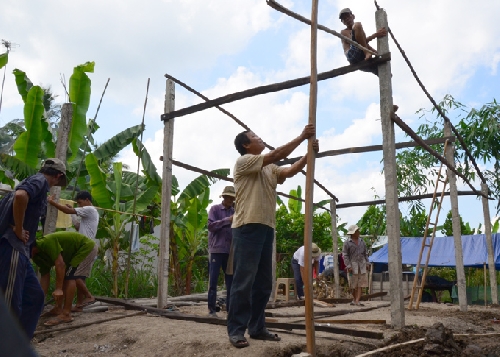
(457, 230)
(485, 292)
(335, 247)
(166, 194)
(308, 222)
(61, 149)
(489, 245)
(391, 184)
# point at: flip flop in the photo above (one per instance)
(77, 308)
(353, 304)
(49, 313)
(56, 321)
(238, 341)
(87, 303)
(266, 336)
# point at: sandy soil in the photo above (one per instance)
(149, 335)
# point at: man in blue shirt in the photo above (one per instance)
(20, 213)
(220, 218)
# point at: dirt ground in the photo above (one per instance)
(149, 335)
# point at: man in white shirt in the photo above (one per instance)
(298, 266)
(85, 218)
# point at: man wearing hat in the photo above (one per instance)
(355, 31)
(356, 261)
(298, 266)
(220, 218)
(20, 213)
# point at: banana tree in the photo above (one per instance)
(113, 192)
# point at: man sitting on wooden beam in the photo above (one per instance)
(355, 31)
(72, 254)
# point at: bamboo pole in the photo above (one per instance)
(61, 148)
(457, 230)
(308, 221)
(391, 192)
(129, 253)
(166, 193)
(489, 245)
(335, 241)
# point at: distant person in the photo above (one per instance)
(255, 180)
(298, 266)
(357, 263)
(72, 255)
(20, 213)
(85, 218)
(220, 236)
(355, 31)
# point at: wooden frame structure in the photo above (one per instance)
(389, 146)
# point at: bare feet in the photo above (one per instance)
(54, 312)
(59, 319)
(77, 308)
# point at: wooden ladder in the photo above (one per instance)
(418, 285)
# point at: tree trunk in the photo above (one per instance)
(114, 269)
(189, 273)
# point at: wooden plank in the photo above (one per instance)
(322, 303)
(348, 300)
(222, 322)
(354, 321)
(327, 313)
(276, 87)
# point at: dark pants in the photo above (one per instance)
(20, 287)
(299, 284)
(252, 278)
(218, 261)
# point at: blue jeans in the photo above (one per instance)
(252, 278)
(20, 287)
(299, 284)
(217, 261)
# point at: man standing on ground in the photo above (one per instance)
(72, 254)
(355, 31)
(20, 213)
(220, 218)
(87, 225)
(255, 180)
(298, 266)
(357, 263)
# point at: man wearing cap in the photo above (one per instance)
(355, 31)
(255, 179)
(298, 266)
(20, 213)
(356, 261)
(220, 218)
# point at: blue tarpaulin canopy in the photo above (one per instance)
(443, 251)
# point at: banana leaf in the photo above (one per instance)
(99, 191)
(47, 139)
(27, 145)
(23, 83)
(198, 185)
(121, 140)
(19, 168)
(143, 201)
(149, 169)
(79, 94)
(4, 59)
(6, 179)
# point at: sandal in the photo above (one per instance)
(266, 336)
(87, 303)
(238, 341)
(57, 320)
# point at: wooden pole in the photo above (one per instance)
(457, 230)
(61, 148)
(391, 183)
(166, 194)
(308, 221)
(485, 293)
(489, 245)
(335, 247)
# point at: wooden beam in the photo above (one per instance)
(335, 243)
(370, 148)
(221, 322)
(354, 321)
(348, 300)
(276, 87)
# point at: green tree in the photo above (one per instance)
(447, 228)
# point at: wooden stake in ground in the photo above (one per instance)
(308, 223)
(61, 148)
(489, 246)
(335, 240)
(457, 229)
(166, 193)
(391, 182)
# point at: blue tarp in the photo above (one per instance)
(443, 251)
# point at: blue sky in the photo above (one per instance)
(222, 46)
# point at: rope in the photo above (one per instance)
(434, 103)
(242, 125)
